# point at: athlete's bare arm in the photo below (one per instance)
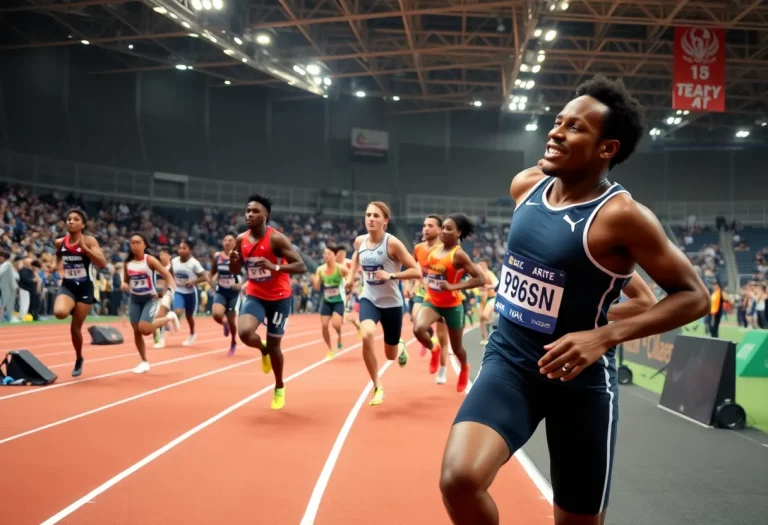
(316, 277)
(355, 265)
(461, 261)
(523, 182)
(626, 232)
(398, 252)
(343, 270)
(155, 265)
(92, 249)
(282, 248)
(235, 259)
(639, 299)
(214, 266)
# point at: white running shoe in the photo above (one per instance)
(174, 320)
(189, 340)
(160, 343)
(142, 368)
(442, 375)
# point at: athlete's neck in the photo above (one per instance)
(75, 237)
(565, 192)
(431, 243)
(331, 265)
(185, 259)
(226, 253)
(259, 231)
(377, 236)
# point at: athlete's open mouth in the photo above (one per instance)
(554, 151)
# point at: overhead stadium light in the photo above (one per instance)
(313, 69)
(550, 35)
(160, 9)
(197, 5)
(360, 94)
(263, 39)
(396, 98)
(218, 5)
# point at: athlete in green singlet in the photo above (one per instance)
(331, 275)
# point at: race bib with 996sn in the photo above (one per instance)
(529, 293)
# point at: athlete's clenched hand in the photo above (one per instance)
(568, 356)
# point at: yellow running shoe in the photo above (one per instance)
(378, 397)
(402, 359)
(266, 364)
(278, 399)
(330, 354)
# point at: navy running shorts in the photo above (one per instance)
(391, 319)
(581, 424)
(142, 308)
(272, 313)
(328, 309)
(228, 299)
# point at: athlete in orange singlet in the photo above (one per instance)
(430, 234)
(446, 266)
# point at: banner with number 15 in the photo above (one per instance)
(698, 82)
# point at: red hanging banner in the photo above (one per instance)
(698, 80)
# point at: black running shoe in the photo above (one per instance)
(78, 367)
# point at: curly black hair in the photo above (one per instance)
(264, 201)
(464, 225)
(626, 118)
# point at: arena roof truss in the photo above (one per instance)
(423, 56)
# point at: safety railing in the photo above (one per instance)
(744, 212)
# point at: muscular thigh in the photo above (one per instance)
(505, 399)
(583, 420)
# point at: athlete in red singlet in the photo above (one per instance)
(268, 258)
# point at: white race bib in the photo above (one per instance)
(255, 273)
(434, 280)
(77, 272)
(369, 274)
(331, 293)
(226, 282)
(139, 284)
(530, 293)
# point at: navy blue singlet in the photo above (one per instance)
(550, 285)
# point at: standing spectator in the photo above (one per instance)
(27, 288)
(7, 286)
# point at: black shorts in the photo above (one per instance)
(80, 292)
(228, 299)
(274, 314)
(391, 319)
(581, 424)
(328, 309)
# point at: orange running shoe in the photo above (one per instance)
(463, 378)
(435, 361)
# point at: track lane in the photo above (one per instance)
(400, 444)
(255, 462)
(71, 459)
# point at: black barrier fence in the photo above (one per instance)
(655, 351)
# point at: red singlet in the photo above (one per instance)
(262, 283)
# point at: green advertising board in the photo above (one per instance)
(752, 354)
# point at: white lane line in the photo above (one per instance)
(48, 388)
(175, 442)
(147, 393)
(330, 463)
(525, 461)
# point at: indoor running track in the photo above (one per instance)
(194, 441)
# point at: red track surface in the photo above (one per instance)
(156, 448)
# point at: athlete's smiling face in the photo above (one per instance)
(255, 214)
(228, 243)
(449, 234)
(138, 246)
(75, 222)
(328, 256)
(575, 144)
(374, 219)
(430, 230)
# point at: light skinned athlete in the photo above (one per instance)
(166, 296)
(269, 261)
(138, 273)
(226, 298)
(350, 301)
(188, 273)
(487, 299)
(574, 241)
(430, 235)
(78, 257)
(331, 276)
(380, 255)
(446, 264)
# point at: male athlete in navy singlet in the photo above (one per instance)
(573, 245)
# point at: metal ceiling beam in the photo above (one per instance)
(412, 47)
(382, 82)
(62, 6)
(100, 40)
(453, 9)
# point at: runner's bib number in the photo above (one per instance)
(257, 274)
(139, 284)
(226, 282)
(331, 293)
(77, 272)
(529, 293)
(369, 274)
(434, 280)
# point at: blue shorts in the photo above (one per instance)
(228, 299)
(185, 301)
(581, 424)
(328, 309)
(391, 319)
(272, 313)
